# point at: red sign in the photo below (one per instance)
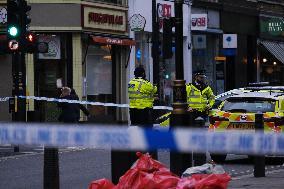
(105, 18)
(199, 21)
(166, 10)
(113, 41)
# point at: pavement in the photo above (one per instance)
(272, 180)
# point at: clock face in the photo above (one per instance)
(3, 15)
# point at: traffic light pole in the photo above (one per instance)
(19, 87)
(155, 46)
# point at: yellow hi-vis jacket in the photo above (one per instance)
(141, 93)
(199, 100)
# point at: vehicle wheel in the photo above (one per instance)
(218, 158)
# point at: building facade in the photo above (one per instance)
(91, 49)
(88, 49)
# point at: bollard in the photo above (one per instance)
(121, 161)
(51, 168)
(259, 160)
(179, 162)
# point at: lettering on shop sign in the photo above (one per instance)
(199, 21)
(275, 26)
(105, 18)
(114, 41)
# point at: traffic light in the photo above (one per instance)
(25, 17)
(167, 38)
(30, 42)
(167, 74)
(13, 24)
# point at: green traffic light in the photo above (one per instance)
(13, 31)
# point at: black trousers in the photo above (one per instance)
(141, 117)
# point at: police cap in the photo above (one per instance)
(199, 73)
(139, 71)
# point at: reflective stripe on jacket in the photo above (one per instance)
(141, 93)
(199, 100)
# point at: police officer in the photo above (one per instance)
(141, 96)
(200, 97)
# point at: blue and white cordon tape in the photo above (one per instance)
(135, 138)
(3, 99)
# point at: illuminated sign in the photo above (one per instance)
(272, 26)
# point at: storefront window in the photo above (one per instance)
(205, 48)
(50, 68)
(99, 71)
(142, 51)
(271, 69)
(117, 2)
(99, 80)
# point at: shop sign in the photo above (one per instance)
(199, 21)
(53, 42)
(101, 18)
(3, 15)
(220, 58)
(199, 41)
(272, 26)
(164, 10)
(3, 18)
(230, 41)
(113, 41)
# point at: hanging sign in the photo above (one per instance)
(199, 21)
(230, 41)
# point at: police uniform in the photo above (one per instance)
(141, 96)
(200, 98)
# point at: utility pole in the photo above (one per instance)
(155, 46)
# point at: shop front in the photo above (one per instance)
(206, 36)
(105, 65)
(271, 50)
(88, 51)
(105, 76)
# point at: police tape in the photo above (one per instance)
(136, 138)
(3, 99)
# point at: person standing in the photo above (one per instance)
(141, 98)
(200, 99)
(69, 111)
(200, 96)
(80, 106)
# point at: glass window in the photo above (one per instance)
(253, 105)
(99, 70)
(205, 48)
(117, 2)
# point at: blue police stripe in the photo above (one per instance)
(160, 140)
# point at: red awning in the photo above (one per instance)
(113, 41)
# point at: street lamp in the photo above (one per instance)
(179, 89)
(178, 116)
